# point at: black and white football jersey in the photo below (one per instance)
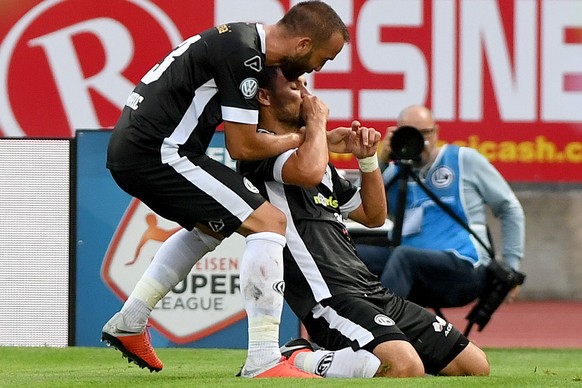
(320, 257)
(174, 111)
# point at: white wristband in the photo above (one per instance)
(368, 164)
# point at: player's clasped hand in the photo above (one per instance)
(313, 108)
(364, 141)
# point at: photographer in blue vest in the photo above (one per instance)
(438, 262)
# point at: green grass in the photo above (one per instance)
(104, 367)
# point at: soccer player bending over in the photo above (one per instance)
(365, 330)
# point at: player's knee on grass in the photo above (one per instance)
(398, 359)
(472, 361)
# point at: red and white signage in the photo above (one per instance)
(502, 76)
(207, 301)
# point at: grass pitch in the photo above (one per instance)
(104, 367)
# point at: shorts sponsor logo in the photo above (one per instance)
(216, 225)
(324, 364)
(442, 177)
(250, 186)
(254, 63)
(249, 87)
(206, 301)
(441, 325)
(383, 320)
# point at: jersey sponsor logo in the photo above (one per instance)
(279, 287)
(254, 63)
(383, 320)
(324, 364)
(134, 100)
(250, 187)
(249, 87)
(442, 177)
(320, 199)
(206, 301)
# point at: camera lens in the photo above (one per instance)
(407, 143)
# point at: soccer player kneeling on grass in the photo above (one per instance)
(367, 330)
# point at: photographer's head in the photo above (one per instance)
(421, 118)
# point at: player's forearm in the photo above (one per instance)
(513, 235)
(313, 154)
(307, 166)
(373, 198)
(263, 146)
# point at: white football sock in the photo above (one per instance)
(261, 285)
(171, 264)
(341, 363)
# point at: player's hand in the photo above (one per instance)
(314, 111)
(339, 138)
(365, 142)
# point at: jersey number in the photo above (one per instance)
(156, 72)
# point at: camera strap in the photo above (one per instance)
(453, 215)
(501, 278)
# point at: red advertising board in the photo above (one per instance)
(502, 76)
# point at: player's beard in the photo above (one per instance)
(289, 115)
(293, 67)
(292, 121)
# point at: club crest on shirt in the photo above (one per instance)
(442, 177)
(249, 87)
(250, 187)
(383, 320)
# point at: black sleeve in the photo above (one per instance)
(343, 188)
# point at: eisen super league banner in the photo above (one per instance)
(502, 76)
(117, 237)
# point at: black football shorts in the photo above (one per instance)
(363, 322)
(193, 190)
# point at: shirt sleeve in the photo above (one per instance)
(483, 184)
(348, 195)
(237, 87)
(266, 170)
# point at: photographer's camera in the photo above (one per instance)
(407, 143)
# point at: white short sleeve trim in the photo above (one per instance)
(238, 115)
(280, 162)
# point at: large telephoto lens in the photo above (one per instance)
(407, 143)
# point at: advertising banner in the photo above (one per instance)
(502, 76)
(117, 237)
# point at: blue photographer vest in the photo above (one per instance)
(426, 225)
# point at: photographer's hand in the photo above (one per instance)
(513, 294)
(384, 154)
